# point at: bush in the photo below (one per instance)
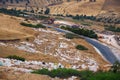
(16, 57)
(12, 12)
(47, 11)
(42, 71)
(112, 28)
(80, 47)
(116, 67)
(43, 17)
(60, 72)
(79, 31)
(83, 75)
(33, 26)
(86, 24)
(70, 36)
(104, 76)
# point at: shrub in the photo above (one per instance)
(33, 26)
(47, 11)
(16, 57)
(42, 71)
(60, 72)
(81, 47)
(79, 31)
(86, 24)
(116, 67)
(112, 28)
(12, 12)
(70, 36)
(83, 75)
(104, 76)
(43, 17)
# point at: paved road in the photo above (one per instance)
(106, 52)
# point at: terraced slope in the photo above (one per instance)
(82, 7)
(86, 7)
(23, 3)
(63, 7)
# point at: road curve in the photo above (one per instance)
(106, 52)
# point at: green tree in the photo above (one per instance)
(116, 67)
(47, 11)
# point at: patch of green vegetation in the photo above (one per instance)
(113, 74)
(43, 17)
(33, 26)
(81, 47)
(12, 12)
(84, 32)
(116, 67)
(70, 36)
(86, 24)
(82, 17)
(59, 18)
(47, 11)
(104, 76)
(16, 57)
(95, 18)
(112, 28)
(60, 72)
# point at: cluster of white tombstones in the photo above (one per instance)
(88, 63)
(32, 65)
(28, 66)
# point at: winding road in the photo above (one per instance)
(105, 51)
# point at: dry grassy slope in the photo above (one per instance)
(86, 7)
(82, 7)
(112, 5)
(31, 3)
(72, 7)
(10, 28)
(9, 74)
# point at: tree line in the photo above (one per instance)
(112, 74)
(81, 31)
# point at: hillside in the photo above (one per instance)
(28, 3)
(48, 45)
(81, 7)
(86, 7)
(10, 29)
(36, 41)
(112, 5)
(63, 7)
